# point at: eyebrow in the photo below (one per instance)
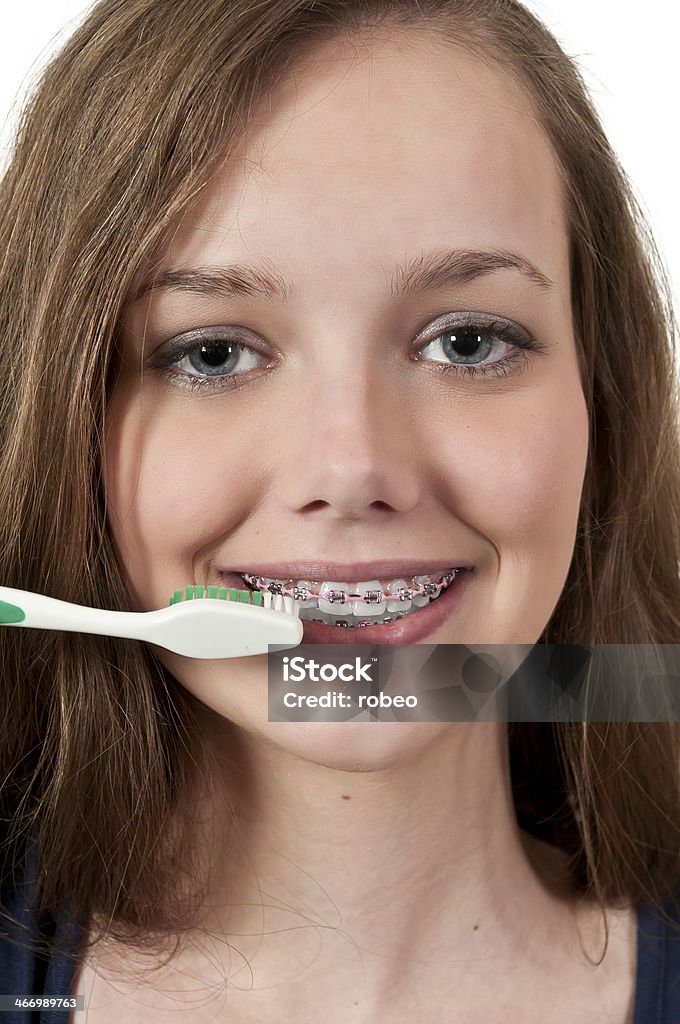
(422, 273)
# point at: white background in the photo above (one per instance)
(627, 53)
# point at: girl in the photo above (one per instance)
(343, 291)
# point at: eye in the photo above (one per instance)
(215, 357)
(210, 357)
(469, 343)
(218, 359)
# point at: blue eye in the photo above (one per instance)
(215, 358)
(468, 345)
(207, 358)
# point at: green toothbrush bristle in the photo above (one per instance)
(219, 593)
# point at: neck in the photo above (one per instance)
(325, 870)
(387, 885)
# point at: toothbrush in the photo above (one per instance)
(201, 622)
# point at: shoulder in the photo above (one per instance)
(18, 961)
(658, 980)
(37, 953)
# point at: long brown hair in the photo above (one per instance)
(99, 743)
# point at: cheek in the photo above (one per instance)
(520, 491)
(515, 473)
(174, 482)
(535, 477)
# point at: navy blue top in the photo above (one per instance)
(23, 972)
(657, 993)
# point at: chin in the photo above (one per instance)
(353, 746)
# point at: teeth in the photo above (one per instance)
(353, 613)
(393, 588)
(274, 586)
(335, 609)
(369, 608)
(333, 619)
(310, 602)
(346, 608)
(420, 600)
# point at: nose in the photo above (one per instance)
(352, 444)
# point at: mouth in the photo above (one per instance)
(392, 609)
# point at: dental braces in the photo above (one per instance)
(340, 597)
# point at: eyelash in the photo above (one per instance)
(520, 341)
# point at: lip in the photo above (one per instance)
(350, 571)
(410, 630)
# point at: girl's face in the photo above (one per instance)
(410, 391)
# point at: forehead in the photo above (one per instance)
(377, 149)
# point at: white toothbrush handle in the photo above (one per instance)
(202, 628)
(41, 612)
(211, 628)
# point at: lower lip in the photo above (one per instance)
(409, 630)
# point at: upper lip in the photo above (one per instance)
(350, 571)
